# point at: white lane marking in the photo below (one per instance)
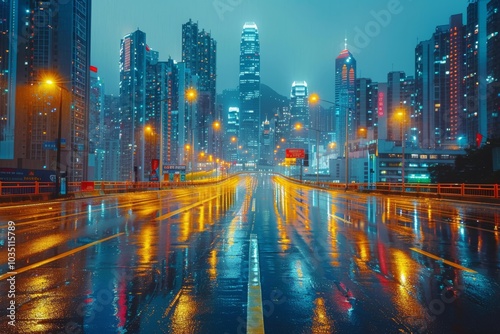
(253, 205)
(255, 315)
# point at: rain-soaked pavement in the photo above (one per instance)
(256, 254)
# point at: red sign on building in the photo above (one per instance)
(381, 104)
(297, 153)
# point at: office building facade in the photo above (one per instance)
(249, 88)
(45, 39)
(345, 98)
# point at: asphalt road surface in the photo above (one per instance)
(255, 254)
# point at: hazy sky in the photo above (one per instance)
(300, 39)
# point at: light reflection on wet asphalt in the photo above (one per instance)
(177, 261)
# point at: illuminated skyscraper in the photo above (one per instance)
(493, 69)
(249, 92)
(299, 115)
(199, 51)
(439, 73)
(476, 72)
(345, 96)
(42, 38)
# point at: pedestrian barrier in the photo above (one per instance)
(14, 189)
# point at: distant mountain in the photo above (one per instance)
(269, 101)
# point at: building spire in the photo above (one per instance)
(345, 43)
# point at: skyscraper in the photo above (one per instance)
(133, 54)
(366, 103)
(199, 53)
(345, 96)
(475, 75)
(249, 92)
(299, 116)
(45, 38)
(439, 72)
(493, 97)
(96, 128)
(400, 95)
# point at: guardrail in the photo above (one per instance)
(23, 189)
(441, 189)
(18, 189)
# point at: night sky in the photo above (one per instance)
(299, 39)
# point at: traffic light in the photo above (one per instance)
(306, 160)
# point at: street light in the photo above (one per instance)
(191, 97)
(59, 125)
(314, 98)
(299, 127)
(401, 114)
(216, 126)
(152, 149)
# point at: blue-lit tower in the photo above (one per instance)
(249, 93)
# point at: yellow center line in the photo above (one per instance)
(186, 208)
(453, 264)
(57, 257)
(341, 219)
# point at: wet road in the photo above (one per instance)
(257, 254)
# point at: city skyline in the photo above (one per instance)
(284, 60)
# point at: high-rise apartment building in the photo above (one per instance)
(96, 128)
(493, 97)
(249, 81)
(133, 59)
(439, 72)
(199, 53)
(366, 103)
(476, 73)
(45, 38)
(400, 105)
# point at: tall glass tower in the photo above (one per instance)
(345, 96)
(299, 115)
(249, 93)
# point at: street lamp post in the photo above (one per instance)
(299, 126)
(191, 96)
(216, 126)
(59, 130)
(314, 99)
(58, 154)
(401, 114)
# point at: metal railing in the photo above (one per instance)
(20, 189)
(441, 189)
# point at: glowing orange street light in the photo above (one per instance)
(191, 94)
(51, 82)
(401, 115)
(314, 98)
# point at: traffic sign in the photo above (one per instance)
(298, 153)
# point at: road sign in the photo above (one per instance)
(297, 153)
(173, 168)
